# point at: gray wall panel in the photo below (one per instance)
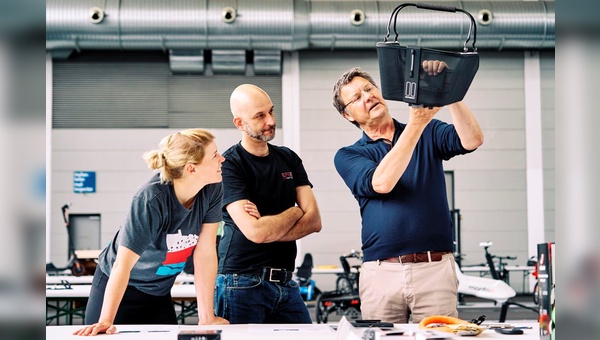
(504, 140)
(116, 156)
(326, 180)
(317, 140)
(111, 160)
(500, 119)
(478, 180)
(100, 89)
(506, 99)
(491, 201)
(476, 220)
(490, 160)
(549, 179)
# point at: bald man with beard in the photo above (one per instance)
(268, 204)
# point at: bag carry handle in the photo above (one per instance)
(442, 8)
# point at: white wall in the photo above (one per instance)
(116, 157)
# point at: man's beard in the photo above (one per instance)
(259, 134)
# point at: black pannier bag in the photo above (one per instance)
(402, 75)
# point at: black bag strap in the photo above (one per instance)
(472, 26)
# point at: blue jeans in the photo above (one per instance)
(246, 298)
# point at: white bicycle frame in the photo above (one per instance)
(483, 287)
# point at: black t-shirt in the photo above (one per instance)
(269, 182)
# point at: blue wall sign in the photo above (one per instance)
(84, 182)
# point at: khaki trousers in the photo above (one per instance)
(403, 292)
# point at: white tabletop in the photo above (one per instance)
(245, 331)
(74, 280)
(331, 270)
(487, 269)
(265, 332)
(83, 291)
(87, 279)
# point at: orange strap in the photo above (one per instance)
(451, 325)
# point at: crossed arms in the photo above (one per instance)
(289, 225)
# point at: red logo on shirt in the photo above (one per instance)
(287, 175)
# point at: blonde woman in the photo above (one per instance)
(172, 216)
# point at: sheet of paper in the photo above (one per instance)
(345, 330)
(147, 328)
(287, 328)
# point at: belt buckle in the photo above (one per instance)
(271, 279)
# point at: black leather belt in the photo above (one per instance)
(276, 275)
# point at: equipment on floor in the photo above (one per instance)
(77, 266)
(308, 288)
(344, 300)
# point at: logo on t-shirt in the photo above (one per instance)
(287, 175)
(180, 247)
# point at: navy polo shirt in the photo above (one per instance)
(414, 217)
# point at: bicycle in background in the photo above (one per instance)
(498, 271)
(308, 288)
(344, 300)
(495, 288)
(533, 262)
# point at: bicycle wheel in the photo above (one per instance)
(352, 313)
(536, 297)
(343, 285)
(317, 292)
(320, 315)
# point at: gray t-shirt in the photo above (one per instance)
(162, 232)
